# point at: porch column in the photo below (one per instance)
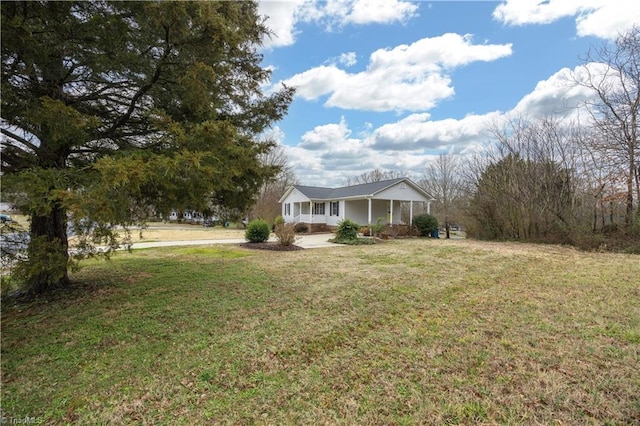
(429, 207)
(369, 216)
(391, 212)
(410, 212)
(310, 214)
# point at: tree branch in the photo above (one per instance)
(19, 139)
(144, 89)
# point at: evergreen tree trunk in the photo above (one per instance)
(49, 240)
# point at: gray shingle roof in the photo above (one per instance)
(314, 192)
(320, 193)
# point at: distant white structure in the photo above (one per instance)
(5, 207)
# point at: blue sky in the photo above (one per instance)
(390, 84)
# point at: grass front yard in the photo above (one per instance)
(405, 332)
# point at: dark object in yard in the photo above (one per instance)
(301, 228)
(275, 246)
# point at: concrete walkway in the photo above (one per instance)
(304, 241)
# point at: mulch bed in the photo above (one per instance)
(275, 246)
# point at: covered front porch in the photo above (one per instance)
(390, 212)
(303, 213)
(364, 211)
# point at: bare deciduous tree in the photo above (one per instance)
(602, 177)
(527, 187)
(443, 181)
(266, 206)
(615, 113)
(376, 175)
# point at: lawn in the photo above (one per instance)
(405, 332)
(179, 232)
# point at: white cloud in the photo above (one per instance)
(338, 13)
(328, 154)
(331, 153)
(317, 82)
(418, 132)
(380, 11)
(335, 138)
(281, 19)
(435, 53)
(406, 78)
(348, 59)
(611, 19)
(519, 12)
(599, 18)
(566, 93)
(557, 95)
(283, 15)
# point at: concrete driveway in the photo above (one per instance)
(304, 241)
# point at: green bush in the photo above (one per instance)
(379, 227)
(426, 224)
(347, 231)
(258, 231)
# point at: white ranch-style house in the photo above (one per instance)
(362, 204)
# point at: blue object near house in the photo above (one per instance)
(435, 234)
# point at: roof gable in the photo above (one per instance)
(364, 189)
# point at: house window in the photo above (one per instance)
(287, 209)
(334, 208)
(318, 208)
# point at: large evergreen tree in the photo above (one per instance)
(114, 109)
